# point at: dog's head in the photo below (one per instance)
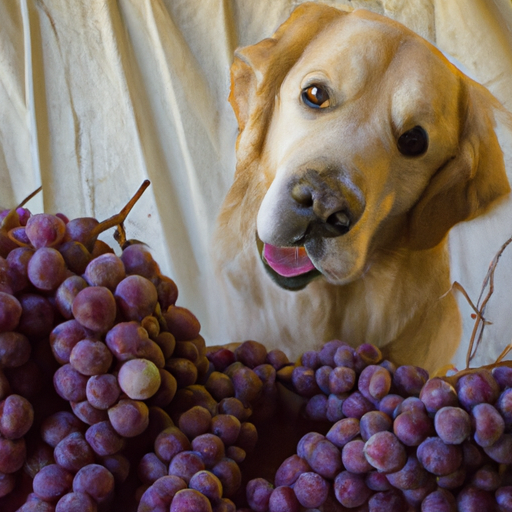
(356, 135)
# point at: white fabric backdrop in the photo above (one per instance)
(96, 96)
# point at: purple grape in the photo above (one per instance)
(504, 498)
(96, 481)
(486, 478)
(7, 484)
(106, 270)
(87, 413)
(316, 408)
(10, 312)
(437, 393)
(369, 354)
(477, 388)
(236, 453)
(324, 459)
(129, 418)
(277, 358)
(377, 481)
(138, 260)
(17, 268)
(16, 416)
(311, 490)
(228, 472)
(452, 424)
(334, 407)
(64, 337)
(411, 476)
(210, 447)
(102, 391)
(207, 484)
(258, 493)
(502, 374)
(151, 468)
(472, 499)
(118, 465)
(95, 308)
(45, 230)
(73, 452)
(501, 450)
(304, 381)
(387, 501)
(488, 424)
(158, 497)
(408, 380)
(187, 350)
(103, 439)
(182, 323)
(76, 256)
(341, 380)
(46, 270)
(37, 315)
(389, 403)
(380, 383)
(283, 499)
(353, 458)
(247, 385)
(165, 394)
(70, 384)
(343, 431)
(167, 292)
(322, 375)
(453, 480)
(90, 357)
(221, 358)
(226, 427)
(248, 437)
(504, 406)
(345, 356)
(413, 427)
(439, 458)
(76, 502)
(52, 482)
(356, 405)
(327, 352)
(183, 370)
(350, 489)
(186, 464)
(373, 422)
(251, 353)
(440, 500)
(58, 426)
(385, 452)
(190, 499)
(170, 442)
(195, 421)
(136, 297)
(13, 453)
(139, 378)
(15, 349)
(290, 469)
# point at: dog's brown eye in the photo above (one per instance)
(413, 142)
(316, 96)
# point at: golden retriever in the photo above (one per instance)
(359, 147)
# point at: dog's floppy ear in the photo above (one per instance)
(470, 182)
(258, 71)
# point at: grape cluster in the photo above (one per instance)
(398, 440)
(111, 400)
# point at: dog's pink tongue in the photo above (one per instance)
(287, 261)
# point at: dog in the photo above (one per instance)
(360, 145)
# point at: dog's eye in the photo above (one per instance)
(413, 142)
(316, 96)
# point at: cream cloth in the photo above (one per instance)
(98, 95)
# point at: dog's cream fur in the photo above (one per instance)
(387, 280)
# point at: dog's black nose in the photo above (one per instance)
(320, 199)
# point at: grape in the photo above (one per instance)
(210, 447)
(52, 482)
(373, 422)
(170, 442)
(350, 489)
(290, 469)
(304, 381)
(59, 425)
(138, 260)
(387, 501)
(37, 315)
(221, 358)
(322, 375)
(14, 349)
(385, 452)
(182, 323)
(35, 504)
(439, 458)
(316, 408)
(73, 452)
(226, 427)
(476, 388)
(488, 424)
(353, 458)
(106, 270)
(502, 374)
(151, 468)
(501, 450)
(10, 312)
(440, 500)
(63, 339)
(16, 270)
(411, 476)
(46, 269)
(70, 384)
(129, 418)
(377, 481)
(380, 383)
(311, 489)
(207, 484)
(228, 472)
(356, 405)
(437, 393)
(283, 499)
(504, 498)
(389, 404)
(167, 292)
(369, 354)
(45, 230)
(186, 464)
(247, 384)
(76, 256)
(90, 357)
(16, 417)
(345, 356)
(96, 481)
(310, 359)
(343, 431)
(190, 499)
(150, 323)
(124, 340)
(76, 502)
(327, 352)
(183, 370)
(341, 380)
(504, 406)
(453, 480)
(258, 493)
(408, 380)
(187, 350)
(139, 378)
(118, 465)
(103, 439)
(412, 427)
(277, 358)
(486, 478)
(95, 308)
(66, 293)
(159, 496)
(325, 459)
(136, 297)
(236, 453)
(334, 407)
(102, 391)
(251, 354)
(472, 499)
(452, 424)
(219, 385)
(80, 230)
(12, 454)
(87, 413)
(7, 483)
(165, 394)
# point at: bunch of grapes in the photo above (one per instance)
(398, 440)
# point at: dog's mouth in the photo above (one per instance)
(289, 267)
